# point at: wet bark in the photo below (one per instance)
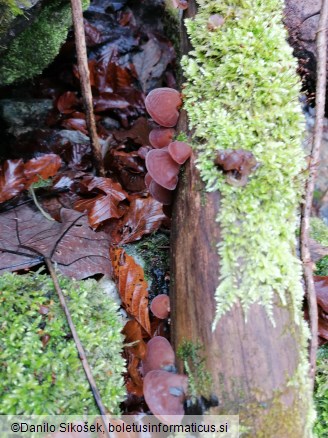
(251, 362)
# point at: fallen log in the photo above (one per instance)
(258, 364)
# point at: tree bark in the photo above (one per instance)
(251, 362)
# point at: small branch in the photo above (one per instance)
(36, 202)
(321, 43)
(82, 61)
(78, 344)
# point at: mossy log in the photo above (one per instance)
(258, 368)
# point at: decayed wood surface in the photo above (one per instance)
(250, 362)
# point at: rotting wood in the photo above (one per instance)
(251, 362)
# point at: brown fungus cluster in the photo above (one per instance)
(164, 390)
(164, 161)
(237, 164)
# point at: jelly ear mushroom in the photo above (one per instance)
(160, 306)
(161, 194)
(164, 394)
(179, 151)
(162, 168)
(215, 21)
(159, 356)
(180, 4)
(161, 137)
(162, 104)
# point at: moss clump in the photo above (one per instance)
(37, 46)
(47, 377)
(242, 92)
(199, 379)
(321, 393)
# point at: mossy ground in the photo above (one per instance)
(49, 379)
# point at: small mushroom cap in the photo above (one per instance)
(160, 306)
(159, 355)
(179, 151)
(143, 151)
(164, 394)
(215, 21)
(161, 137)
(162, 168)
(161, 194)
(162, 104)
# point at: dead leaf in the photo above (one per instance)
(12, 179)
(16, 176)
(132, 286)
(105, 205)
(133, 334)
(67, 103)
(26, 237)
(139, 132)
(144, 216)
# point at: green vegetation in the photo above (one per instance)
(321, 393)
(40, 372)
(199, 378)
(30, 53)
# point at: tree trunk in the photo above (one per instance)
(251, 363)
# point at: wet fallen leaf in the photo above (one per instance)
(317, 250)
(133, 335)
(16, 176)
(26, 237)
(67, 103)
(132, 286)
(104, 205)
(321, 289)
(144, 216)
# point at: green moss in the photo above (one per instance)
(242, 92)
(319, 231)
(37, 46)
(199, 379)
(38, 379)
(321, 393)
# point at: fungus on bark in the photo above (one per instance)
(159, 356)
(161, 194)
(164, 394)
(160, 306)
(162, 104)
(179, 151)
(237, 164)
(215, 21)
(161, 137)
(162, 168)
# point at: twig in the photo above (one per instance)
(78, 344)
(82, 61)
(321, 43)
(36, 202)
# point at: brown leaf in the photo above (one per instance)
(133, 334)
(132, 286)
(44, 167)
(26, 237)
(317, 250)
(67, 102)
(15, 176)
(107, 101)
(144, 216)
(12, 179)
(105, 205)
(139, 132)
(76, 125)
